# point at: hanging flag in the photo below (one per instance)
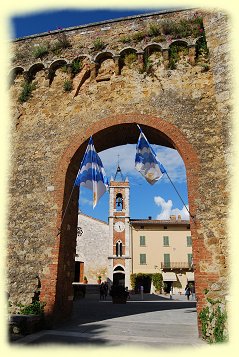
(146, 161)
(92, 174)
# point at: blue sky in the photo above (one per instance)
(38, 22)
(159, 200)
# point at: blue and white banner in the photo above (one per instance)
(92, 174)
(146, 161)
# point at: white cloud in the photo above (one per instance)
(172, 162)
(167, 211)
(126, 159)
(170, 158)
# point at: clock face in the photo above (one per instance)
(119, 226)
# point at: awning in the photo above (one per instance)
(190, 275)
(169, 276)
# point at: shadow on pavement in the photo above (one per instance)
(88, 326)
(87, 311)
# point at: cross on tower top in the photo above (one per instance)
(118, 171)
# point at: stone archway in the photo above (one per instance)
(187, 107)
(113, 131)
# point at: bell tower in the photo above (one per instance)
(119, 230)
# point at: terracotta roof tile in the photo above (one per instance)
(157, 221)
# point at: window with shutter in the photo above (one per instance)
(167, 260)
(166, 241)
(142, 259)
(190, 257)
(189, 241)
(142, 241)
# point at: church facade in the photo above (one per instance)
(125, 246)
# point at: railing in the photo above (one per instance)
(176, 265)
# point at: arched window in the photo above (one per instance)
(118, 268)
(119, 202)
(119, 248)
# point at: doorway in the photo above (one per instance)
(119, 276)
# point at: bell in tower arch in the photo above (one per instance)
(119, 202)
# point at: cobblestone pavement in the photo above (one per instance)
(155, 321)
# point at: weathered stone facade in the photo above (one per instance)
(187, 108)
(92, 247)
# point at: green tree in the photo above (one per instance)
(157, 279)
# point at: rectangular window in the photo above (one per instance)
(166, 241)
(167, 260)
(142, 259)
(189, 241)
(142, 241)
(190, 258)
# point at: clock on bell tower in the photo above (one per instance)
(119, 235)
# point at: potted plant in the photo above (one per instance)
(99, 279)
(85, 280)
(28, 320)
(119, 294)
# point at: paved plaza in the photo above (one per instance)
(155, 321)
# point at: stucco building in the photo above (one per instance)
(163, 246)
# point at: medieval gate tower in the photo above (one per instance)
(167, 71)
(119, 232)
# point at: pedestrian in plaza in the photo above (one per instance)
(187, 291)
(171, 293)
(142, 292)
(193, 292)
(106, 288)
(127, 291)
(102, 291)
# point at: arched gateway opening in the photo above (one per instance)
(112, 131)
(119, 276)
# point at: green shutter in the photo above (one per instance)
(190, 257)
(166, 241)
(189, 241)
(142, 240)
(142, 258)
(167, 260)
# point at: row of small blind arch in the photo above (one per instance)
(99, 58)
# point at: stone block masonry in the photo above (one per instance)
(183, 104)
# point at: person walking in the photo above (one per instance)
(102, 291)
(171, 293)
(127, 292)
(187, 291)
(142, 292)
(106, 288)
(193, 291)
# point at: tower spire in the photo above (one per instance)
(118, 171)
